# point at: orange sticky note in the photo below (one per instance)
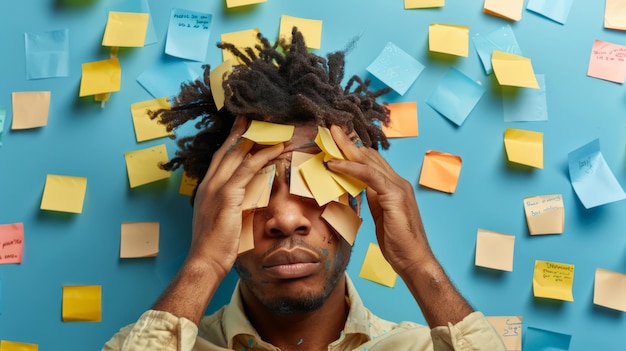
(30, 109)
(513, 70)
(615, 14)
(216, 78)
(607, 61)
(11, 243)
(402, 120)
(187, 185)
(259, 188)
(553, 280)
(139, 239)
(143, 165)
(609, 289)
(375, 268)
(494, 250)
(544, 214)
(236, 3)
(266, 133)
(6, 345)
(509, 328)
(100, 77)
(509, 9)
(448, 39)
(64, 193)
(311, 30)
(343, 219)
(524, 147)
(297, 185)
(147, 128)
(242, 39)
(440, 171)
(125, 29)
(82, 303)
(421, 4)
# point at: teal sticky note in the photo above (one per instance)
(455, 96)
(163, 78)
(47, 54)
(501, 39)
(556, 10)
(188, 34)
(3, 114)
(544, 340)
(397, 69)
(527, 105)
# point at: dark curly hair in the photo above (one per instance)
(280, 83)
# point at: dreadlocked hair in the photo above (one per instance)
(281, 83)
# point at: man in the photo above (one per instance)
(293, 292)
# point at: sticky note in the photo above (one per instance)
(47, 54)
(526, 105)
(509, 9)
(147, 128)
(259, 188)
(242, 39)
(421, 4)
(343, 219)
(140, 6)
(553, 280)
(327, 144)
(455, 96)
(440, 171)
(237, 3)
(164, 76)
(3, 114)
(375, 268)
(319, 180)
(64, 193)
(246, 238)
(609, 289)
(82, 303)
(494, 250)
(143, 165)
(11, 243)
(513, 70)
(125, 29)
(395, 68)
(448, 39)
(545, 214)
(100, 77)
(297, 185)
(556, 10)
(403, 120)
(509, 328)
(499, 39)
(30, 109)
(266, 133)
(188, 34)
(311, 30)
(187, 184)
(139, 239)
(541, 339)
(607, 61)
(615, 14)
(6, 345)
(524, 147)
(216, 78)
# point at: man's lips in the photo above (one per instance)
(291, 263)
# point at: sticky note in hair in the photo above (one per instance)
(266, 133)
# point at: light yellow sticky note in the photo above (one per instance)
(246, 238)
(327, 144)
(615, 14)
(64, 193)
(125, 29)
(30, 109)
(6, 345)
(216, 78)
(82, 303)
(553, 280)
(143, 165)
(545, 214)
(319, 180)
(609, 289)
(237, 3)
(524, 147)
(421, 4)
(258, 191)
(266, 133)
(509, 328)
(509, 9)
(139, 239)
(297, 185)
(376, 268)
(242, 39)
(440, 171)
(494, 250)
(147, 128)
(100, 77)
(311, 30)
(343, 219)
(448, 39)
(187, 184)
(402, 120)
(513, 70)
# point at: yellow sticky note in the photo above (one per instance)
(544, 214)
(319, 180)
(241, 39)
(139, 239)
(216, 78)
(343, 219)
(143, 165)
(376, 268)
(513, 70)
(615, 14)
(125, 29)
(609, 289)
(402, 120)
(246, 238)
(327, 144)
(259, 188)
(448, 39)
(509, 9)
(187, 185)
(421, 4)
(553, 280)
(509, 328)
(524, 147)
(440, 171)
(494, 250)
(297, 185)
(82, 303)
(6, 345)
(30, 109)
(64, 193)
(100, 77)
(236, 3)
(311, 30)
(266, 133)
(147, 128)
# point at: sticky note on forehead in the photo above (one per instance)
(266, 133)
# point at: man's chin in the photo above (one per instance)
(296, 305)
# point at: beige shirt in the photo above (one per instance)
(229, 329)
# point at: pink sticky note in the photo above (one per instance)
(11, 243)
(607, 62)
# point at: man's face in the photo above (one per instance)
(297, 258)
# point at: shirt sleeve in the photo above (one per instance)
(155, 330)
(473, 333)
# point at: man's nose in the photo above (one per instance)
(286, 214)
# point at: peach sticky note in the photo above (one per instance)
(510, 330)
(509, 9)
(402, 120)
(246, 238)
(421, 4)
(30, 109)
(242, 39)
(553, 280)
(513, 70)
(237, 3)
(607, 61)
(494, 250)
(448, 39)
(11, 243)
(297, 185)
(524, 147)
(64, 193)
(187, 184)
(139, 239)
(609, 289)
(544, 214)
(100, 77)
(266, 133)
(258, 190)
(343, 219)
(125, 29)
(615, 14)
(6, 345)
(376, 268)
(311, 30)
(143, 165)
(331, 151)
(440, 171)
(319, 180)
(147, 128)
(216, 78)
(82, 303)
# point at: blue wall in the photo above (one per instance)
(83, 139)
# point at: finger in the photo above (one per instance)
(239, 127)
(252, 164)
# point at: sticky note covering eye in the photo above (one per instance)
(258, 190)
(11, 243)
(139, 239)
(553, 280)
(64, 193)
(544, 214)
(375, 268)
(343, 219)
(82, 303)
(265, 133)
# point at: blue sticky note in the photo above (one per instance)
(3, 114)
(47, 54)
(188, 34)
(591, 177)
(556, 10)
(527, 105)
(164, 77)
(397, 69)
(501, 39)
(455, 96)
(139, 7)
(545, 340)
